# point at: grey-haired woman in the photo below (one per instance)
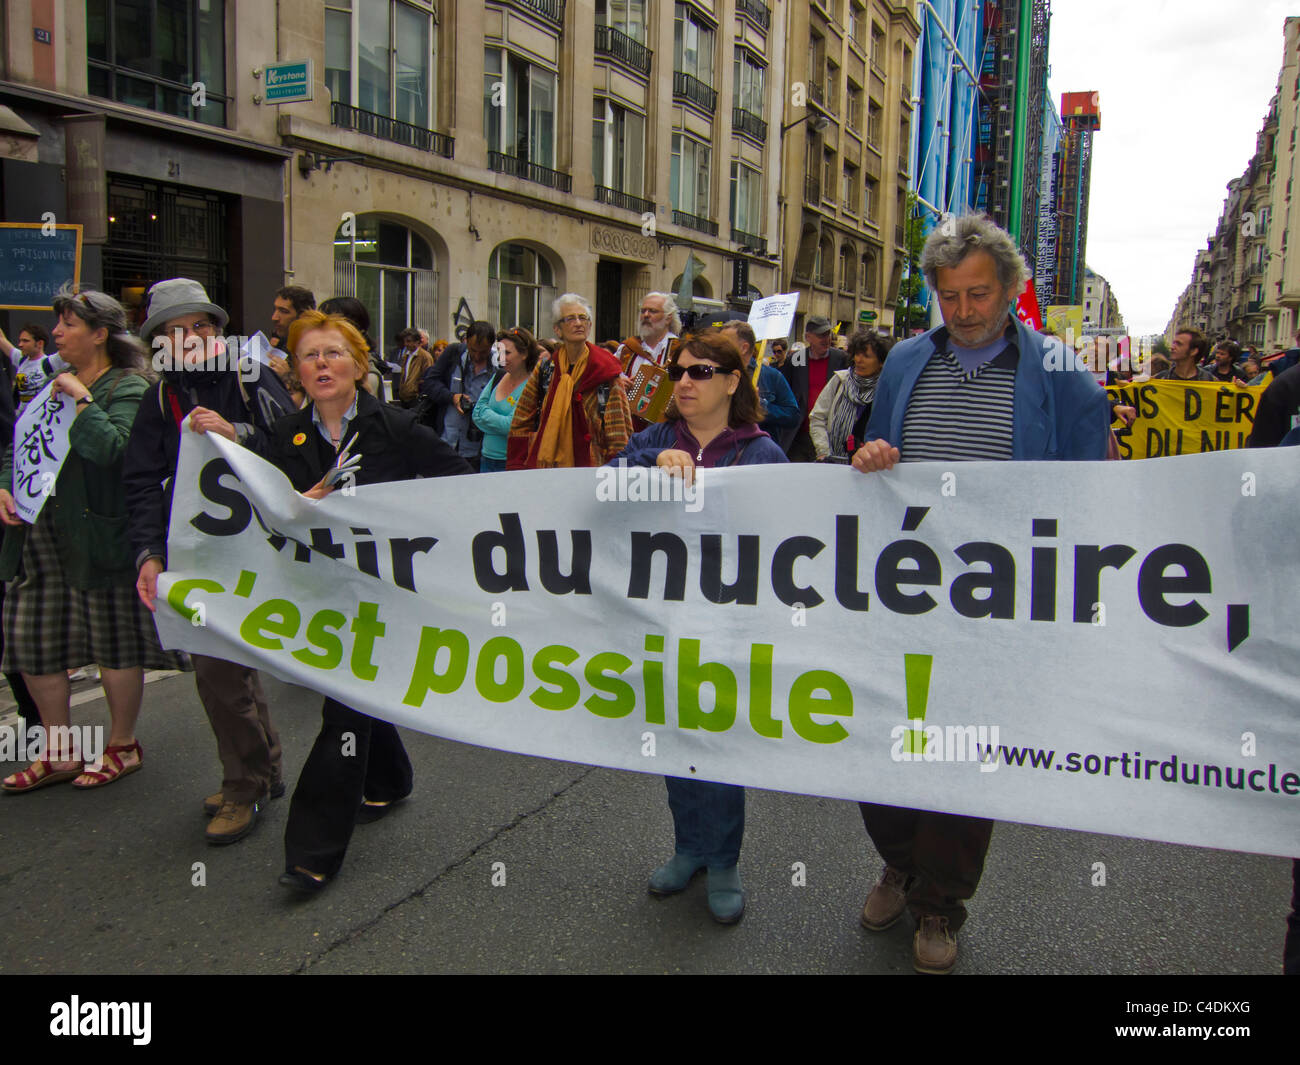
(70, 598)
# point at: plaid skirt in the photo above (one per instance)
(49, 626)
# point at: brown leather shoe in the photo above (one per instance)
(234, 821)
(214, 802)
(934, 948)
(887, 901)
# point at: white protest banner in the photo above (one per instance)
(40, 446)
(994, 639)
(771, 318)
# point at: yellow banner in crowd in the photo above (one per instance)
(1184, 417)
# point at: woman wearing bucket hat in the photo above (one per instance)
(202, 379)
(71, 596)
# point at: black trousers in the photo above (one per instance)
(355, 757)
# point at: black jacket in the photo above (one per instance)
(1277, 406)
(393, 446)
(797, 376)
(149, 466)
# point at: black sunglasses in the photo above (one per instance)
(700, 371)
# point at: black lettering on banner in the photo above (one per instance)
(241, 510)
(783, 561)
(999, 582)
(1154, 585)
(850, 596)
(578, 579)
(644, 546)
(1191, 404)
(744, 589)
(511, 541)
(891, 576)
(1089, 561)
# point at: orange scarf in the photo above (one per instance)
(556, 447)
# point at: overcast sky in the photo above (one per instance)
(1185, 86)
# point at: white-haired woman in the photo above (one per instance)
(573, 410)
(71, 598)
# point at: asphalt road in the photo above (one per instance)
(104, 881)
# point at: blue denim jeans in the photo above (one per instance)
(487, 465)
(708, 820)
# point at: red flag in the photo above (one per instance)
(1027, 307)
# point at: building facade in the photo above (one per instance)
(139, 129)
(847, 132)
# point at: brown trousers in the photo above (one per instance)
(247, 743)
(943, 852)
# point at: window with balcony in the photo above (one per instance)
(816, 68)
(621, 32)
(692, 45)
(857, 26)
(829, 169)
(688, 183)
(519, 118)
(907, 73)
(379, 58)
(854, 94)
(748, 104)
(871, 200)
(849, 185)
(878, 48)
(618, 156)
(832, 87)
(150, 53)
(875, 119)
(746, 204)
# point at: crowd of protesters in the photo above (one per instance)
(81, 582)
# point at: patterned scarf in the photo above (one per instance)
(855, 393)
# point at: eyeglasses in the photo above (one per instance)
(700, 371)
(571, 319)
(329, 355)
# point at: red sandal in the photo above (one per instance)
(114, 767)
(38, 775)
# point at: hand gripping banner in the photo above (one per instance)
(1110, 647)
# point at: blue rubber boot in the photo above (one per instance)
(726, 897)
(674, 875)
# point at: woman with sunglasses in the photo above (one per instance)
(71, 597)
(711, 421)
(573, 411)
(495, 409)
(342, 784)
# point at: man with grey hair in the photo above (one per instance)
(981, 386)
(660, 323)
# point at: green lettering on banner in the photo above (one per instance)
(623, 696)
(566, 693)
(690, 675)
(178, 592)
(367, 628)
(425, 676)
(760, 692)
(838, 702)
(329, 645)
(272, 619)
(485, 673)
